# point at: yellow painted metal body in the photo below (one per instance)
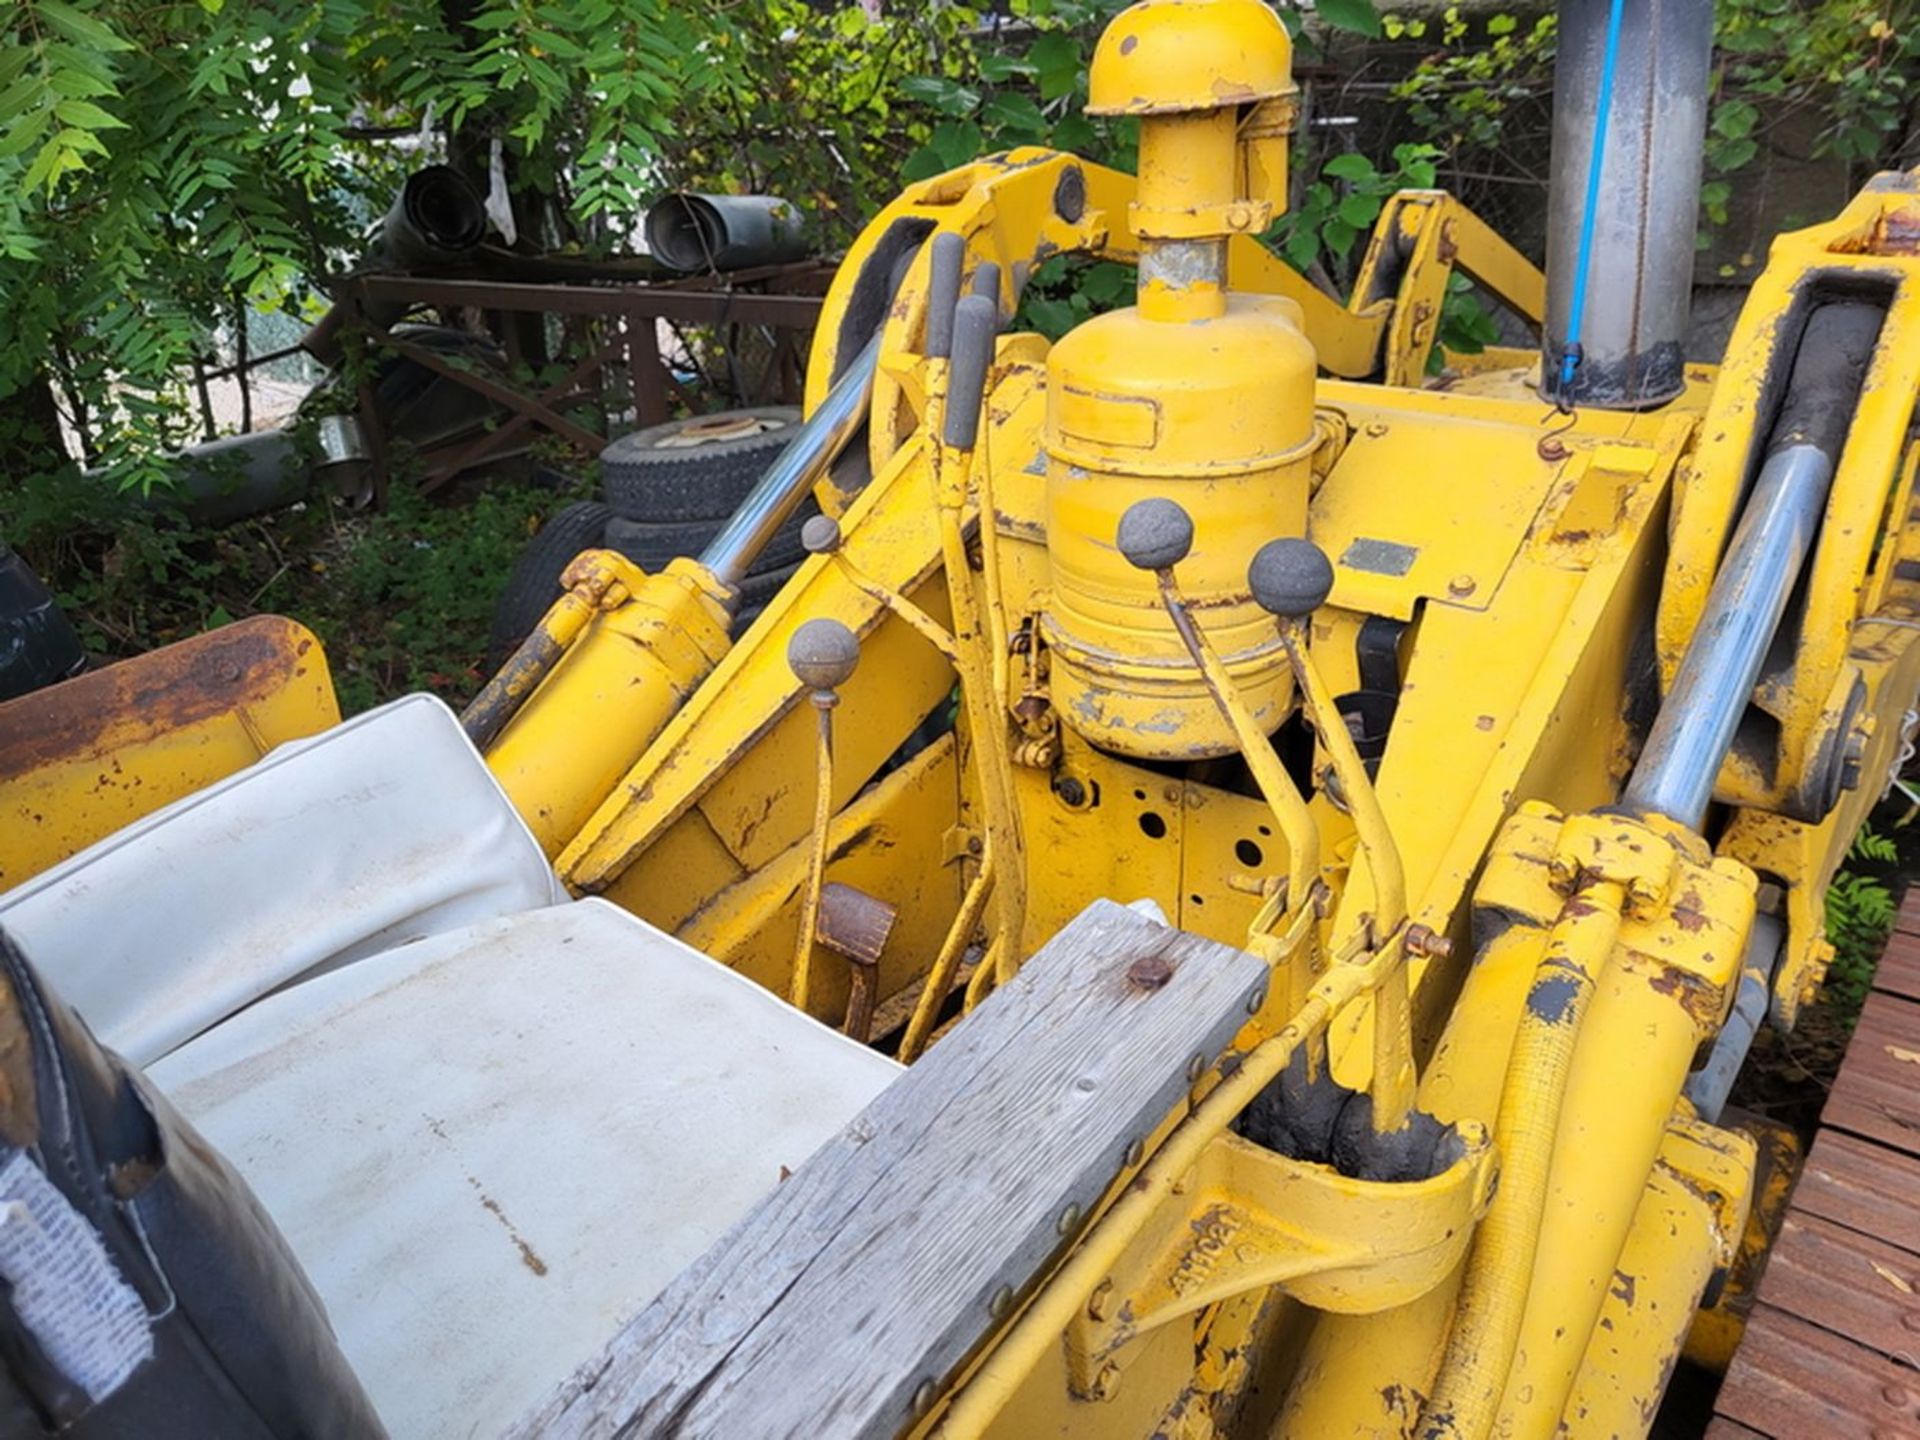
(1195, 393)
(80, 759)
(1029, 728)
(620, 680)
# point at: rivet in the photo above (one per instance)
(1376, 428)
(1135, 1153)
(1001, 1303)
(923, 1398)
(1895, 1394)
(1196, 1067)
(1069, 1220)
(1460, 585)
(1256, 1000)
(1911, 1320)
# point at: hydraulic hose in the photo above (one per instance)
(1493, 1295)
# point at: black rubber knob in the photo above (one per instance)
(1290, 577)
(1155, 534)
(943, 291)
(820, 535)
(974, 325)
(822, 653)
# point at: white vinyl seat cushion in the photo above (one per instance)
(490, 1148)
(385, 829)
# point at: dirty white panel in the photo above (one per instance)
(383, 830)
(490, 1148)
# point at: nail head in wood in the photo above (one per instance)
(1149, 972)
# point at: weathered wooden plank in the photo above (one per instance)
(1863, 1186)
(1908, 920)
(1721, 1428)
(1877, 1093)
(1852, 1284)
(1898, 972)
(871, 1271)
(1795, 1380)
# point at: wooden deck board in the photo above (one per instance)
(1833, 1345)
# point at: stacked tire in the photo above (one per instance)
(668, 490)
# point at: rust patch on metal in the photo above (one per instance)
(19, 1116)
(183, 684)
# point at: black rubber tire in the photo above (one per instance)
(535, 582)
(755, 593)
(644, 481)
(651, 545)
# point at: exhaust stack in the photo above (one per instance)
(1640, 265)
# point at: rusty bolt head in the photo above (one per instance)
(1461, 585)
(1071, 791)
(1149, 972)
(822, 653)
(1552, 447)
(1375, 428)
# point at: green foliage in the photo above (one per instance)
(1860, 916)
(1340, 206)
(402, 600)
(1853, 65)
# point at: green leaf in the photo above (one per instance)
(1338, 236)
(1501, 25)
(1052, 318)
(1358, 16)
(957, 143)
(1349, 167)
(87, 116)
(1055, 59)
(1359, 211)
(1076, 133)
(949, 97)
(1734, 119)
(79, 28)
(1017, 114)
(24, 134)
(1000, 68)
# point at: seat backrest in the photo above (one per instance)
(146, 1292)
(385, 829)
(875, 1267)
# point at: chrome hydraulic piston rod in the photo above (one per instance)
(1695, 728)
(815, 446)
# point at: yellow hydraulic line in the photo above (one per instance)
(1039, 1329)
(1493, 1295)
(940, 977)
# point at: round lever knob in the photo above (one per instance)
(822, 654)
(1290, 577)
(820, 535)
(1155, 534)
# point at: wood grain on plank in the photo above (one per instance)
(871, 1270)
(1865, 1187)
